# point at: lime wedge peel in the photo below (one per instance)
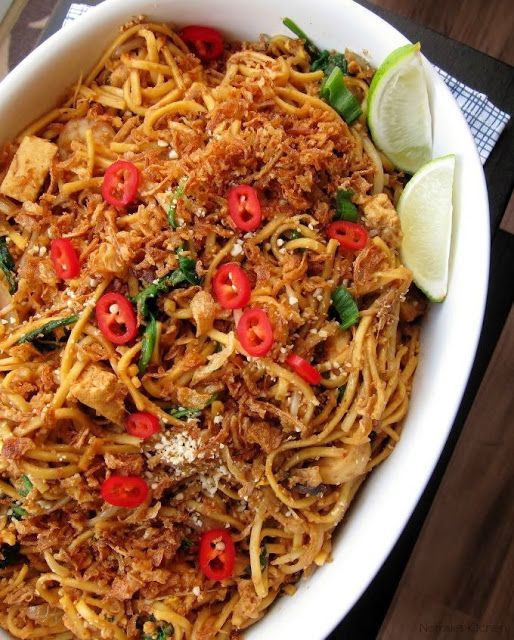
(425, 209)
(398, 109)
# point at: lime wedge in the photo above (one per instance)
(425, 209)
(398, 110)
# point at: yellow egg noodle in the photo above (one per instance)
(273, 459)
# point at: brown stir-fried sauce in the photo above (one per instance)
(245, 443)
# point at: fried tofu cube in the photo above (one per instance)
(100, 390)
(29, 168)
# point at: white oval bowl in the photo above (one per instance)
(450, 331)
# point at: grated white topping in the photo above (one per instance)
(176, 448)
(210, 482)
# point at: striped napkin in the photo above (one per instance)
(484, 119)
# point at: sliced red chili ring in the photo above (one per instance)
(116, 318)
(120, 184)
(231, 286)
(254, 332)
(206, 42)
(244, 207)
(350, 235)
(124, 491)
(217, 554)
(64, 258)
(142, 424)
(303, 368)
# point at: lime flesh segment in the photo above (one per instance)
(398, 110)
(425, 209)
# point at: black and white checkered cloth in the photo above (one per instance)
(484, 119)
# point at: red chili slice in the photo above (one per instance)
(244, 207)
(207, 42)
(142, 424)
(217, 554)
(350, 235)
(124, 491)
(64, 258)
(254, 332)
(231, 286)
(120, 184)
(303, 368)
(116, 318)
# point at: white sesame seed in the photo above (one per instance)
(293, 300)
(218, 419)
(172, 154)
(280, 242)
(196, 591)
(42, 251)
(114, 308)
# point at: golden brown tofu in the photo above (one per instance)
(29, 168)
(99, 389)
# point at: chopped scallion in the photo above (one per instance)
(345, 306)
(345, 209)
(184, 413)
(176, 195)
(18, 512)
(312, 49)
(324, 60)
(334, 91)
(187, 413)
(25, 486)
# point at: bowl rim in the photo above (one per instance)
(84, 28)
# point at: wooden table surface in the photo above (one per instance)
(451, 574)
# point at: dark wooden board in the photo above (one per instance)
(459, 580)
